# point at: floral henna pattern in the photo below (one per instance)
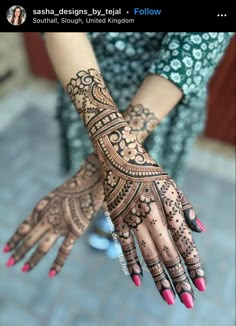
(136, 188)
(78, 197)
(177, 273)
(178, 226)
(141, 120)
(157, 271)
(66, 211)
(75, 203)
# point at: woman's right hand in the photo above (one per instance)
(66, 211)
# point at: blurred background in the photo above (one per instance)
(92, 289)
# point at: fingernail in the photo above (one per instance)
(10, 262)
(187, 299)
(136, 279)
(168, 296)
(201, 226)
(25, 268)
(6, 248)
(52, 273)
(200, 283)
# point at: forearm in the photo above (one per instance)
(157, 94)
(70, 53)
(155, 97)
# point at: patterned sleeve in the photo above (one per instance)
(189, 59)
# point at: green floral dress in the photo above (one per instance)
(187, 59)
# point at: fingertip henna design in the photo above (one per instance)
(157, 271)
(135, 186)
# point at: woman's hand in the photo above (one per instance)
(66, 211)
(144, 201)
(140, 196)
(86, 181)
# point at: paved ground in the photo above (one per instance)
(91, 289)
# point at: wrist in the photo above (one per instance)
(141, 120)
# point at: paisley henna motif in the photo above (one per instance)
(139, 194)
(135, 186)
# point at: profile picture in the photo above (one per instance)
(16, 15)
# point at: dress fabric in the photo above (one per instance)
(125, 59)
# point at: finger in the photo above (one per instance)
(188, 250)
(44, 246)
(129, 250)
(124, 236)
(189, 214)
(24, 228)
(184, 241)
(62, 255)
(27, 225)
(154, 263)
(169, 255)
(32, 237)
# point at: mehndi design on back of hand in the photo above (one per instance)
(138, 192)
(77, 196)
(78, 213)
(66, 211)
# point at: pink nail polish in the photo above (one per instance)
(25, 268)
(200, 284)
(10, 262)
(136, 280)
(199, 223)
(187, 299)
(52, 273)
(168, 296)
(6, 248)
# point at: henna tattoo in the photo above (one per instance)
(77, 201)
(143, 243)
(154, 221)
(123, 230)
(66, 211)
(141, 120)
(179, 278)
(134, 183)
(166, 249)
(194, 267)
(131, 257)
(79, 195)
(157, 271)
